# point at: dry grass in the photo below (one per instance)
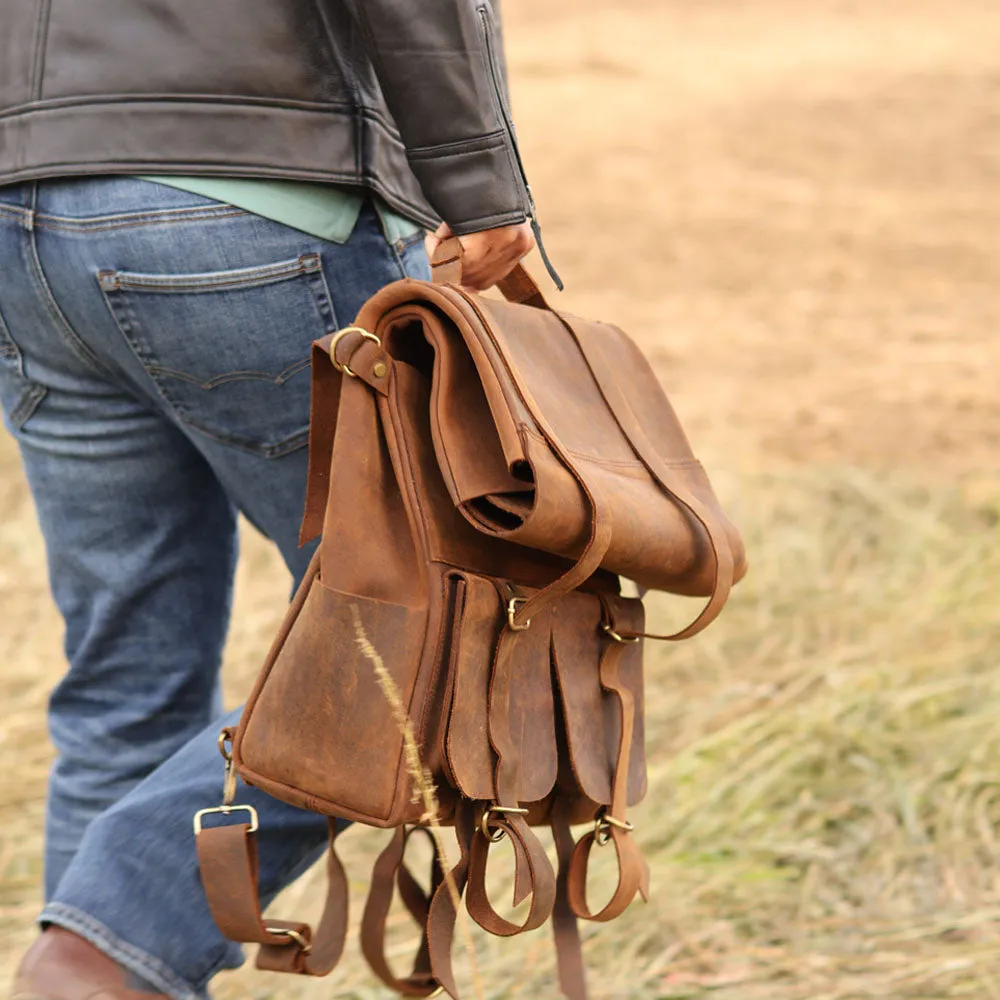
(796, 208)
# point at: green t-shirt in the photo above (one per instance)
(325, 211)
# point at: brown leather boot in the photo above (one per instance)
(61, 965)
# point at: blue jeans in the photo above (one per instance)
(154, 350)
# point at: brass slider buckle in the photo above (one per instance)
(484, 824)
(226, 810)
(338, 336)
(610, 631)
(304, 946)
(512, 605)
(603, 825)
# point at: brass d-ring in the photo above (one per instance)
(338, 336)
(609, 630)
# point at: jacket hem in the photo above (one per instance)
(246, 140)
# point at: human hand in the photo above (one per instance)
(490, 255)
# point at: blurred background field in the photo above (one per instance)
(795, 208)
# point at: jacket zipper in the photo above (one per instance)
(501, 108)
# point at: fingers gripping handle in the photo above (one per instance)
(518, 286)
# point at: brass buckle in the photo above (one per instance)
(338, 336)
(226, 810)
(304, 946)
(484, 824)
(610, 631)
(512, 605)
(603, 825)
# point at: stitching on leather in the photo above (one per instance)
(520, 180)
(486, 141)
(58, 103)
(41, 39)
(284, 104)
(487, 221)
(421, 519)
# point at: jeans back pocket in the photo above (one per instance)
(229, 350)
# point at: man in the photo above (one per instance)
(190, 194)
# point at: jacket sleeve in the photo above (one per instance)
(441, 69)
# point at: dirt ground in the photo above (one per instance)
(795, 208)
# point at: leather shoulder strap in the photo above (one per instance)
(228, 859)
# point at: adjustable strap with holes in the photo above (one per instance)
(229, 873)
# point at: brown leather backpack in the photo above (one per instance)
(482, 472)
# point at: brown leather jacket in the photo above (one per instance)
(406, 99)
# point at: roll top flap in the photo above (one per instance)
(527, 423)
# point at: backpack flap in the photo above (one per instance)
(522, 453)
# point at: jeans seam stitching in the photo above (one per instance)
(30, 401)
(84, 226)
(185, 284)
(209, 205)
(69, 335)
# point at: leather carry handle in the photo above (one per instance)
(518, 287)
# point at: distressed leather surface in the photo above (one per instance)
(481, 472)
